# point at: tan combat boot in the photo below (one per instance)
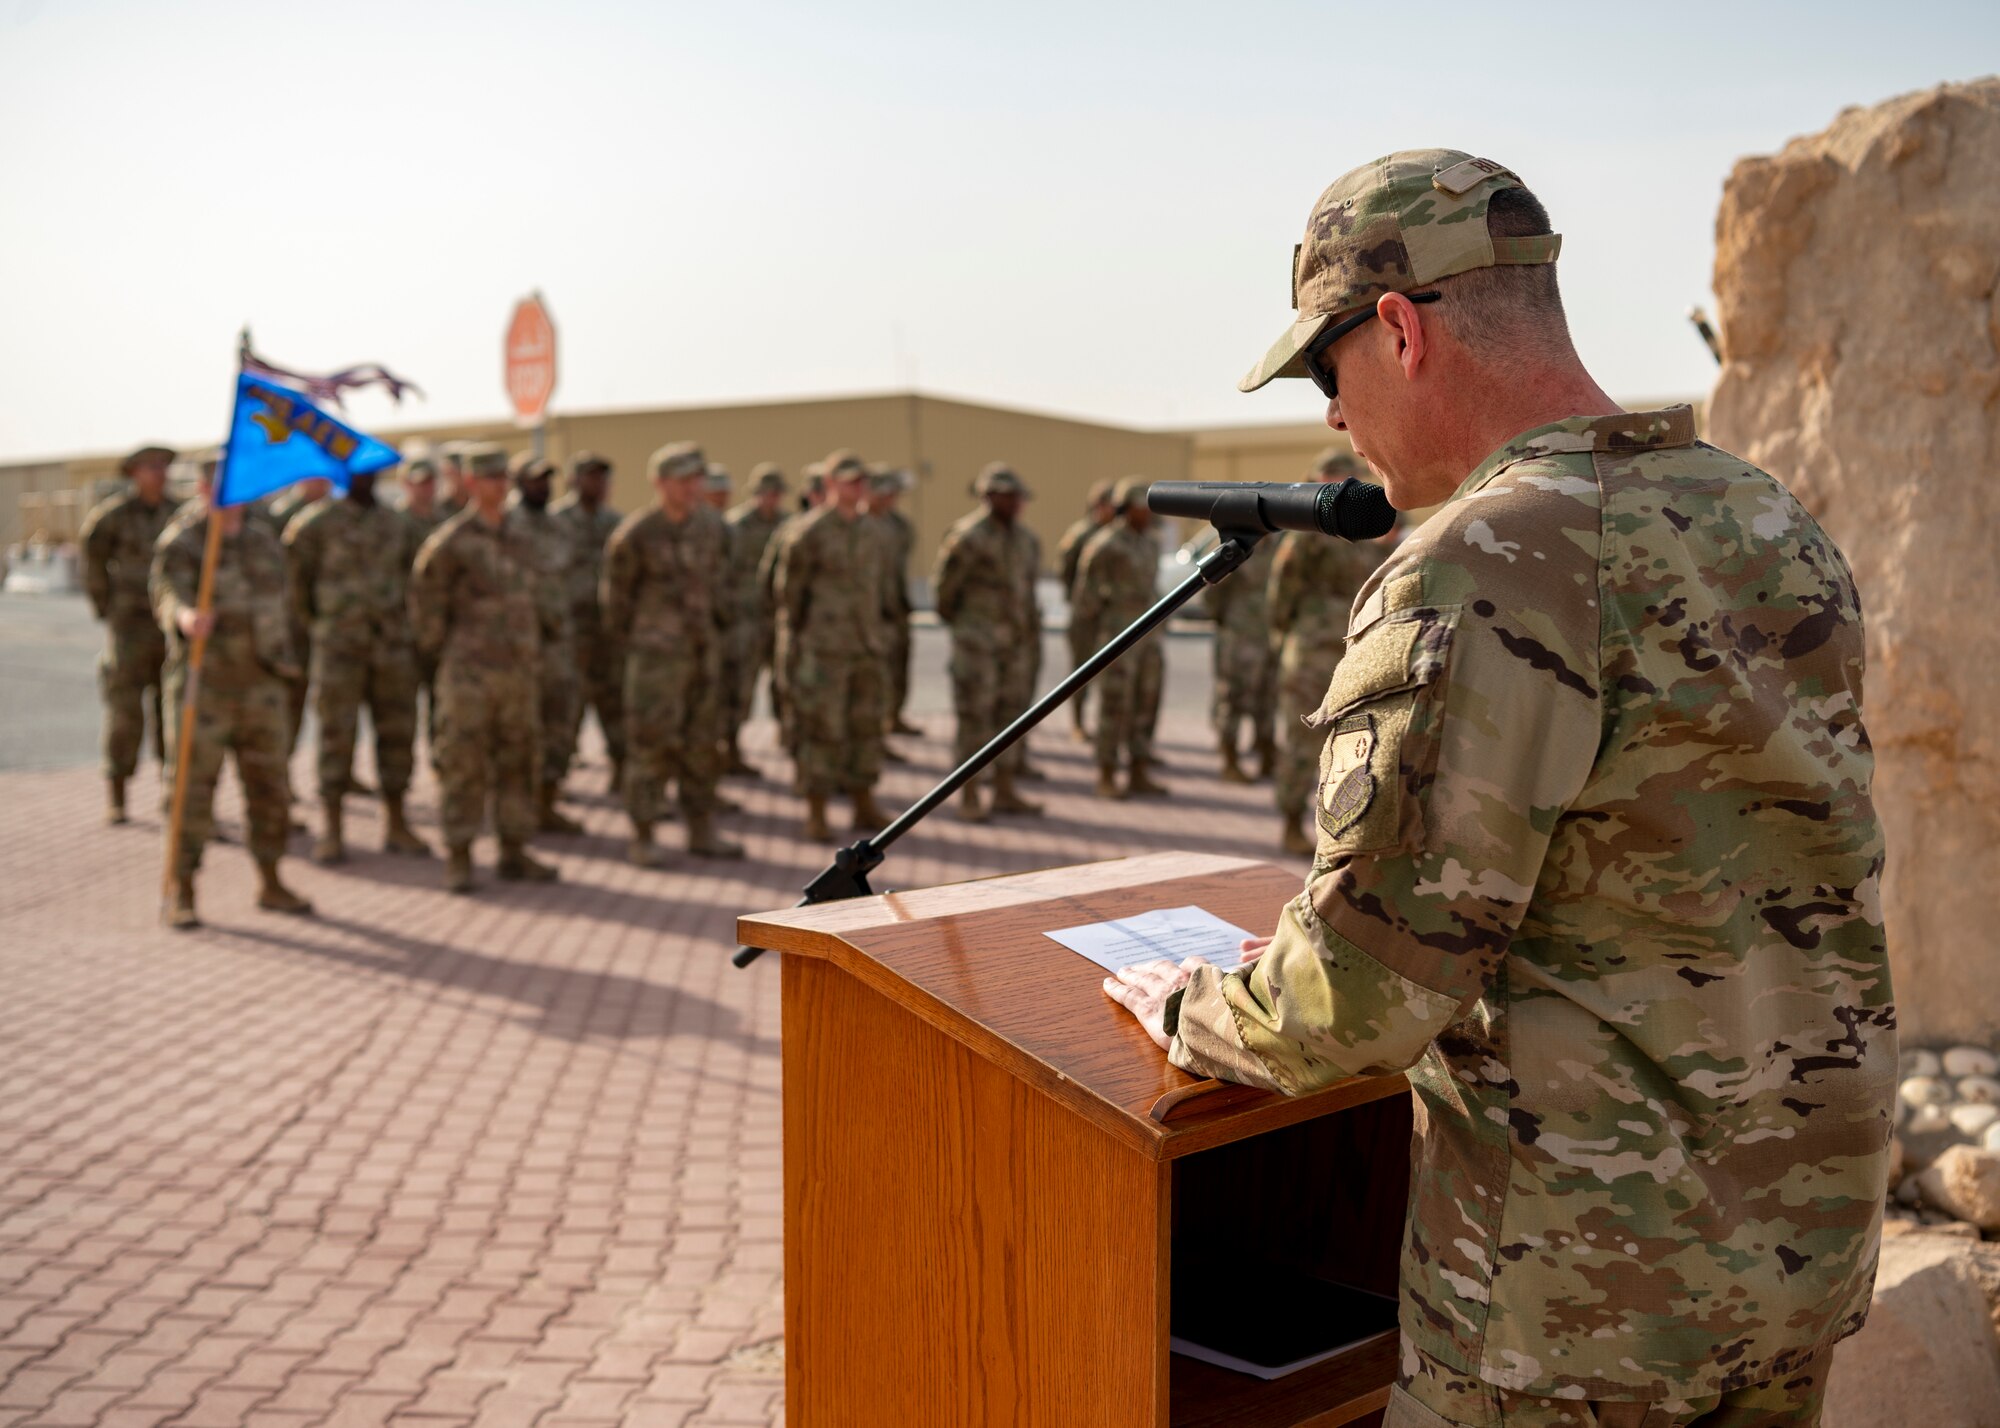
(1296, 840)
(1267, 758)
(114, 802)
(868, 815)
(458, 869)
(181, 915)
(399, 836)
(705, 842)
(517, 866)
(274, 896)
(817, 827)
(1107, 782)
(970, 809)
(331, 847)
(1006, 800)
(1232, 772)
(549, 818)
(642, 852)
(1140, 784)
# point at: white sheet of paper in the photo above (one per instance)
(1175, 933)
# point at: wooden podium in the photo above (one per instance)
(991, 1173)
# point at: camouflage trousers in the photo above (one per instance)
(1305, 668)
(600, 686)
(557, 695)
(295, 690)
(784, 664)
(1077, 655)
(1246, 686)
(489, 747)
(1432, 1395)
(839, 702)
(898, 693)
(749, 653)
(673, 707)
(244, 717)
(383, 676)
(990, 685)
(1128, 704)
(427, 673)
(128, 680)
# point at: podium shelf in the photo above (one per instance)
(1346, 1388)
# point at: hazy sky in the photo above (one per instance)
(1084, 207)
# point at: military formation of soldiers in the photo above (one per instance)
(506, 613)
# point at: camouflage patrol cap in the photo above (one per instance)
(587, 461)
(453, 452)
(999, 479)
(886, 479)
(677, 458)
(1130, 492)
(1100, 492)
(843, 465)
(479, 458)
(767, 477)
(419, 468)
(1335, 458)
(1393, 226)
(718, 477)
(526, 466)
(147, 455)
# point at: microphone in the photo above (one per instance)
(1350, 509)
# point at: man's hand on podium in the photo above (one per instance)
(1145, 988)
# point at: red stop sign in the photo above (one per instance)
(531, 359)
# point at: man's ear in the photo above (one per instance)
(1404, 321)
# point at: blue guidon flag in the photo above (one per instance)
(277, 437)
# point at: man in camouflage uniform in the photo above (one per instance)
(1245, 667)
(554, 550)
(1097, 513)
(118, 538)
(1597, 862)
(899, 539)
(783, 646)
(833, 592)
(454, 480)
(240, 696)
(476, 606)
(1117, 581)
(716, 488)
(985, 588)
(600, 664)
(665, 586)
(422, 509)
(1312, 584)
(347, 571)
(751, 523)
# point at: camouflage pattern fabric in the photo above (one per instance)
(1598, 864)
(1069, 554)
(752, 629)
(475, 608)
(985, 589)
(117, 539)
(554, 549)
(240, 705)
(1431, 1394)
(423, 527)
(898, 538)
(347, 571)
(783, 657)
(1310, 591)
(832, 588)
(1117, 581)
(1246, 667)
(665, 582)
(600, 664)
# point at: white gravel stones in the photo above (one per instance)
(1970, 1061)
(1973, 1118)
(1964, 1182)
(1924, 1091)
(1919, 1063)
(1984, 1090)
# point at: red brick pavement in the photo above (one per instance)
(502, 1161)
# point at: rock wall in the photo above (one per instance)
(1855, 273)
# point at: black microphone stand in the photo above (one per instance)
(847, 875)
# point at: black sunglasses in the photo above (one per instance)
(1323, 377)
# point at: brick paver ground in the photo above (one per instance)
(502, 1161)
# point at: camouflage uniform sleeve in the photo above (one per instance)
(1281, 591)
(430, 579)
(615, 586)
(790, 588)
(173, 581)
(948, 580)
(95, 539)
(301, 545)
(1088, 602)
(1464, 718)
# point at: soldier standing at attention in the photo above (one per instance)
(715, 488)
(833, 590)
(1097, 513)
(1597, 861)
(600, 664)
(1117, 581)
(783, 647)
(475, 605)
(751, 523)
(1313, 582)
(118, 538)
(280, 511)
(665, 577)
(348, 571)
(985, 585)
(240, 703)
(1245, 689)
(456, 493)
(899, 539)
(554, 549)
(419, 482)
